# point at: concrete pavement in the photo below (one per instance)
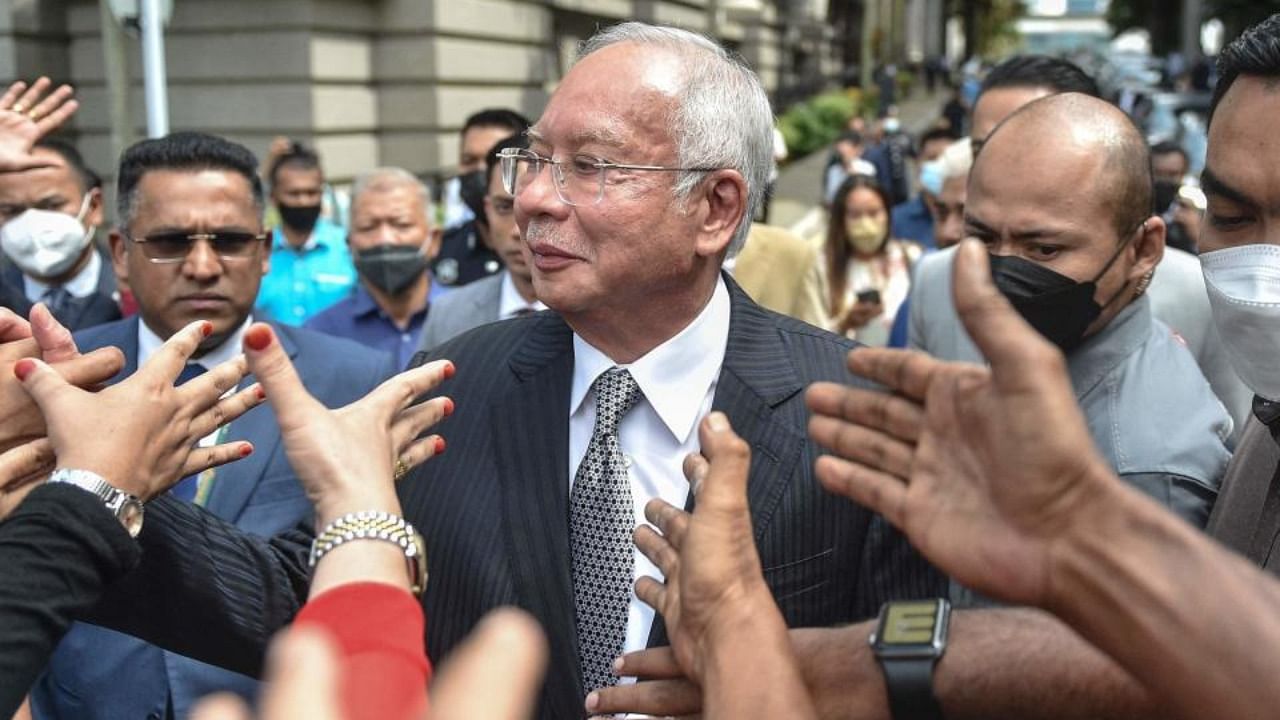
(797, 199)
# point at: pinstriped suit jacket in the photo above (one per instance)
(494, 510)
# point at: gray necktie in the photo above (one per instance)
(601, 520)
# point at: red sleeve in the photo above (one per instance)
(380, 630)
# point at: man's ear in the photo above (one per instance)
(119, 255)
(721, 205)
(93, 217)
(1148, 247)
(434, 239)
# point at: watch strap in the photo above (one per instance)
(909, 682)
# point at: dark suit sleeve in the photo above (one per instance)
(893, 570)
(206, 589)
(60, 548)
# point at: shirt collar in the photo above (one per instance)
(509, 300)
(1098, 355)
(81, 285)
(278, 241)
(149, 343)
(676, 375)
(362, 302)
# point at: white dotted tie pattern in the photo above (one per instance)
(601, 522)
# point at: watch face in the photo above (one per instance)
(912, 628)
(131, 515)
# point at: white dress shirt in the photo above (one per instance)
(678, 379)
(149, 343)
(81, 285)
(509, 300)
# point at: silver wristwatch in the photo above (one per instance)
(127, 508)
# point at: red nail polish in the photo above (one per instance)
(206, 329)
(449, 370)
(258, 337)
(23, 368)
(262, 394)
(246, 450)
(448, 407)
(439, 446)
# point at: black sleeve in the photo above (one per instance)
(206, 589)
(892, 569)
(60, 547)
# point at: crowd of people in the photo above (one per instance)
(1001, 441)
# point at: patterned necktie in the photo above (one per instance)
(601, 520)
(186, 488)
(58, 300)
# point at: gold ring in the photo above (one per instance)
(19, 108)
(401, 469)
(33, 114)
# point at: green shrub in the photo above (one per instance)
(816, 123)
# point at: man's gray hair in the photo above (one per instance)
(387, 178)
(723, 118)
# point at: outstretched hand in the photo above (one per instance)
(983, 469)
(346, 458)
(26, 455)
(26, 115)
(140, 434)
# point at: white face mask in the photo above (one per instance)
(45, 243)
(1244, 296)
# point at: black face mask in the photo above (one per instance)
(1057, 306)
(1165, 193)
(299, 217)
(390, 268)
(471, 188)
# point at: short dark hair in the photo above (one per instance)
(191, 151)
(1040, 71)
(85, 177)
(298, 157)
(497, 117)
(936, 133)
(519, 140)
(1255, 52)
(1168, 147)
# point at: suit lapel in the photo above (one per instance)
(234, 484)
(531, 445)
(757, 376)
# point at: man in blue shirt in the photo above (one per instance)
(310, 264)
(391, 241)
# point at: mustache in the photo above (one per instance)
(542, 230)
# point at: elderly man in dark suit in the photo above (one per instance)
(190, 245)
(636, 186)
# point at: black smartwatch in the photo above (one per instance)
(908, 640)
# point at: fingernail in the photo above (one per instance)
(206, 328)
(246, 450)
(262, 394)
(23, 368)
(258, 338)
(716, 421)
(439, 445)
(449, 370)
(617, 665)
(593, 700)
(448, 407)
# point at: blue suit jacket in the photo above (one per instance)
(99, 673)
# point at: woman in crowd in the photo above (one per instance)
(868, 273)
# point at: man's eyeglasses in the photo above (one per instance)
(578, 179)
(172, 247)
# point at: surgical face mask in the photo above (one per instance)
(931, 177)
(1244, 297)
(865, 235)
(1057, 306)
(46, 243)
(1165, 192)
(391, 268)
